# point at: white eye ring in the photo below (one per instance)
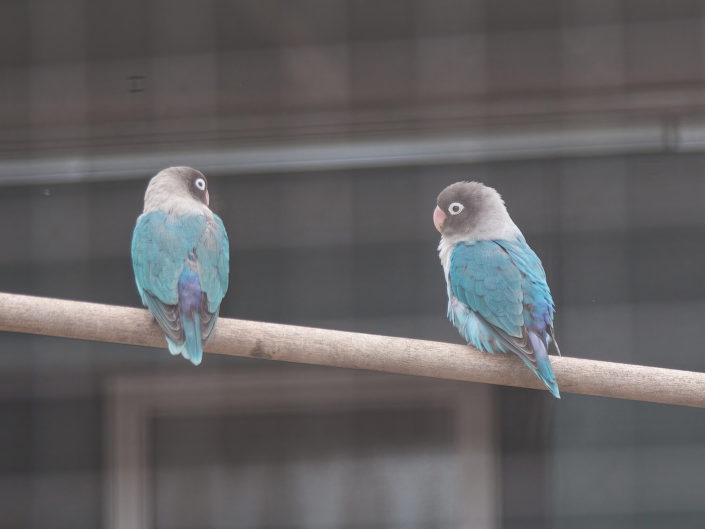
(455, 208)
(201, 184)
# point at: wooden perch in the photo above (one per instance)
(106, 323)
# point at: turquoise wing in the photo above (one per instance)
(213, 262)
(505, 303)
(213, 257)
(483, 277)
(163, 248)
(539, 308)
(158, 256)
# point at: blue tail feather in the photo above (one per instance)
(192, 332)
(191, 349)
(190, 295)
(543, 369)
(545, 373)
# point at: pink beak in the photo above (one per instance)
(438, 218)
(208, 199)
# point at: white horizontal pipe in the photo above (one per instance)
(381, 151)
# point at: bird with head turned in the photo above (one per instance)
(498, 297)
(180, 257)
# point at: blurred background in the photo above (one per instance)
(327, 128)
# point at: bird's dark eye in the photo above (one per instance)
(200, 184)
(455, 208)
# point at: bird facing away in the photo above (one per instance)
(497, 293)
(180, 257)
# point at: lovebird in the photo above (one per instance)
(180, 256)
(497, 293)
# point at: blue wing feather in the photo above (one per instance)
(156, 249)
(213, 262)
(164, 249)
(502, 302)
(483, 278)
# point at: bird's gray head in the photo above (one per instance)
(174, 185)
(471, 210)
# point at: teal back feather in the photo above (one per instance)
(164, 247)
(499, 301)
(537, 296)
(483, 277)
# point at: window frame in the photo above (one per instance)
(133, 401)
